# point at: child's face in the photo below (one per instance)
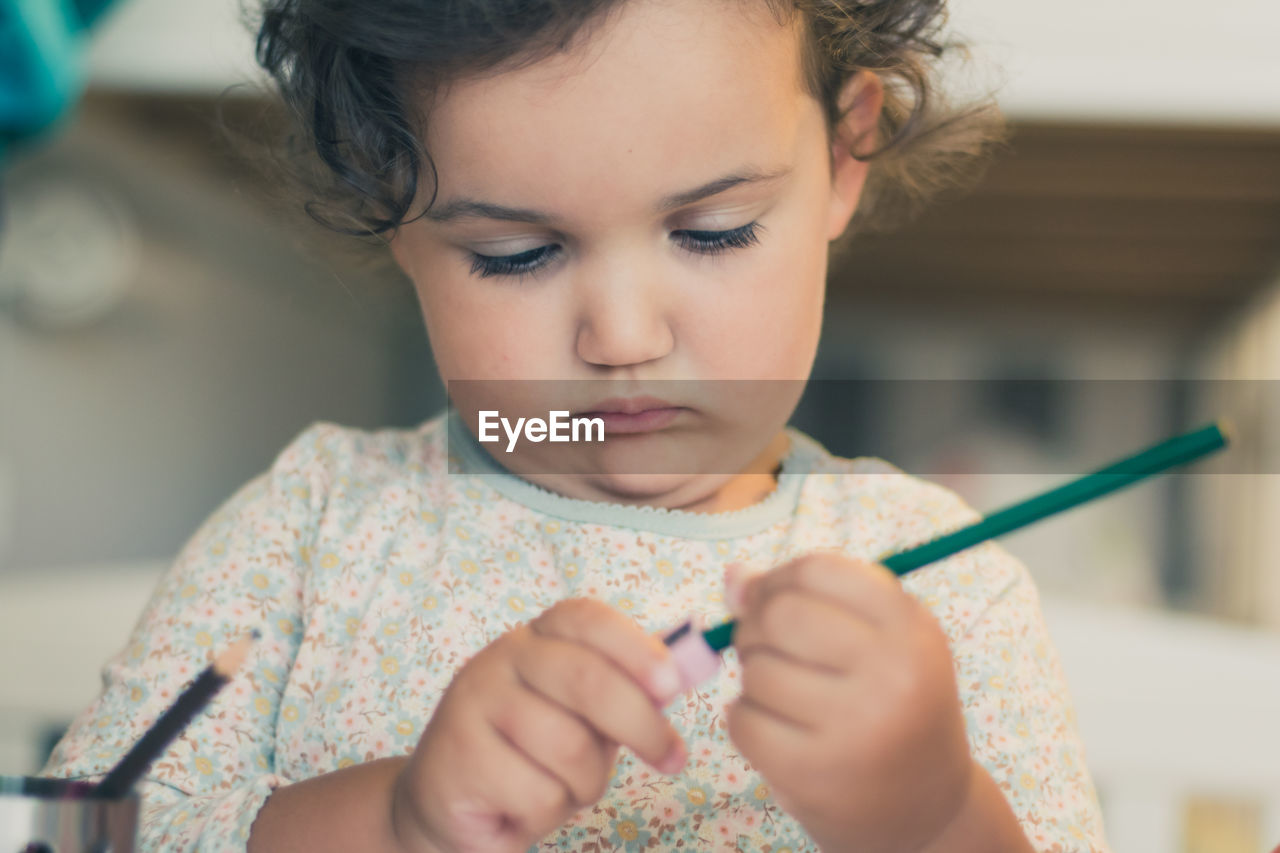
(573, 169)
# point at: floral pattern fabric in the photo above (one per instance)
(375, 564)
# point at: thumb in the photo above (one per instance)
(736, 578)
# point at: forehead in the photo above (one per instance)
(666, 94)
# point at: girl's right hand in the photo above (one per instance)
(528, 731)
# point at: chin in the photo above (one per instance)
(666, 468)
(666, 490)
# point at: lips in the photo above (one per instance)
(631, 415)
(627, 406)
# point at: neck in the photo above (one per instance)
(751, 485)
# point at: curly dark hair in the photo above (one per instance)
(345, 67)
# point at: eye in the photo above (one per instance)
(714, 242)
(525, 263)
(530, 262)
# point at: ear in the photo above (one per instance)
(860, 102)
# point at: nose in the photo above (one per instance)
(623, 320)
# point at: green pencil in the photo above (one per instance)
(1178, 450)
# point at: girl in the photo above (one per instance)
(632, 203)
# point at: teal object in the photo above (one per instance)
(41, 71)
(1178, 450)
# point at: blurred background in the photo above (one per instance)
(168, 323)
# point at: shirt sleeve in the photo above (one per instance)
(1021, 722)
(245, 568)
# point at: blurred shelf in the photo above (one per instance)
(1159, 220)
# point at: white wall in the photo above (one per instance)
(183, 45)
(1151, 60)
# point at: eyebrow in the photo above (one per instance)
(468, 208)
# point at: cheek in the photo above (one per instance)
(767, 323)
(477, 332)
(478, 328)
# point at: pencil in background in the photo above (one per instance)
(156, 739)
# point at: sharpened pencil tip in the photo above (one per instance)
(229, 661)
(1227, 428)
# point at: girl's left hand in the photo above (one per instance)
(849, 706)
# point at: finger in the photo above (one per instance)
(806, 629)
(766, 740)
(641, 656)
(520, 788)
(800, 695)
(584, 682)
(860, 586)
(736, 576)
(559, 742)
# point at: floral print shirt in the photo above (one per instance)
(376, 563)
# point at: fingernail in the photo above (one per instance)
(673, 761)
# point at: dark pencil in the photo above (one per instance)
(157, 738)
(1175, 451)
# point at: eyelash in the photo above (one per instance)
(699, 242)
